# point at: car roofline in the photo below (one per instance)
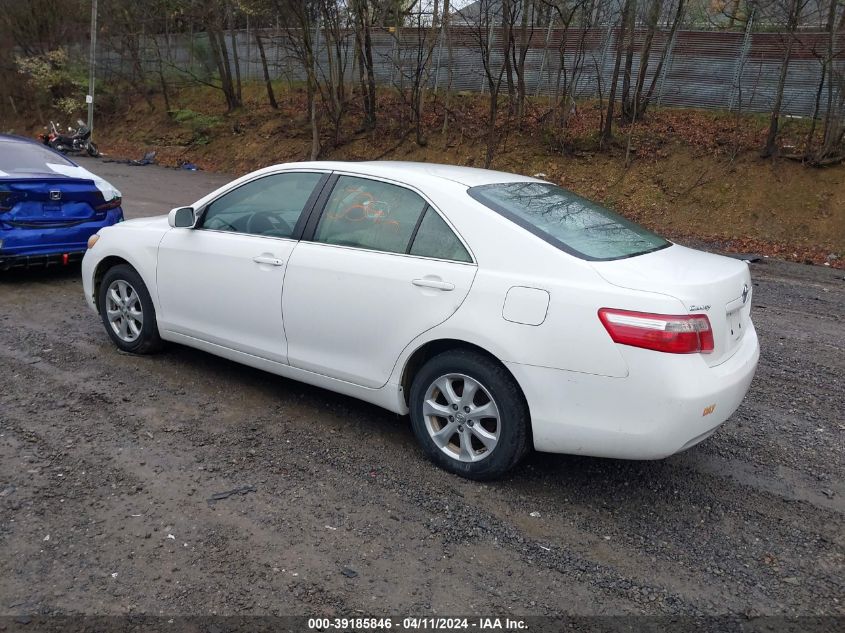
(410, 171)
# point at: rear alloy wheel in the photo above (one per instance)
(128, 312)
(469, 414)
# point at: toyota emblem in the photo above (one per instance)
(744, 293)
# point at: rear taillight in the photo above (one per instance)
(675, 334)
(6, 201)
(114, 203)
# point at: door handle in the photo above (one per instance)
(433, 283)
(268, 259)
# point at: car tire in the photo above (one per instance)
(471, 438)
(127, 311)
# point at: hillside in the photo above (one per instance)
(693, 175)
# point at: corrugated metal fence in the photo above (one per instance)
(702, 69)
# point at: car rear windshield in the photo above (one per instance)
(572, 223)
(23, 156)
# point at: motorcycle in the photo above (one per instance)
(74, 142)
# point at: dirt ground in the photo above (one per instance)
(108, 462)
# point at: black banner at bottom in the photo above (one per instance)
(407, 624)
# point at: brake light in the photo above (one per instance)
(674, 334)
(114, 203)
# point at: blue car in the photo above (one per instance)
(49, 205)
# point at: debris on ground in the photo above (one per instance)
(243, 490)
(148, 159)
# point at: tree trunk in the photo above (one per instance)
(365, 43)
(235, 60)
(218, 52)
(362, 81)
(422, 72)
(635, 108)
(371, 79)
(679, 14)
(271, 96)
(447, 94)
(312, 117)
(607, 128)
(828, 135)
(507, 43)
(774, 121)
(522, 53)
(161, 78)
(491, 126)
(629, 60)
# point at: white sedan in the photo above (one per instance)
(502, 312)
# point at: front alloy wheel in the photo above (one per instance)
(124, 310)
(127, 311)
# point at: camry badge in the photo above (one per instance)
(744, 293)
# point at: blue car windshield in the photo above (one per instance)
(24, 156)
(566, 220)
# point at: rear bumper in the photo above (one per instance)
(666, 404)
(40, 261)
(25, 247)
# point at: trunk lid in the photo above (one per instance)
(48, 200)
(717, 286)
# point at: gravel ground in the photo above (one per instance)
(108, 463)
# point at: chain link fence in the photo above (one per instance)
(701, 69)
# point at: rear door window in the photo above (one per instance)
(435, 239)
(574, 224)
(370, 214)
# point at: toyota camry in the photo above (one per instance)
(502, 312)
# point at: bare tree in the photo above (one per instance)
(624, 19)
(425, 25)
(363, 21)
(447, 36)
(481, 24)
(271, 96)
(297, 19)
(793, 15)
(831, 84)
(335, 27)
(261, 11)
(566, 14)
(645, 100)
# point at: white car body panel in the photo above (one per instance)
(657, 411)
(210, 287)
(355, 325)
(349, 319)
(137, 244)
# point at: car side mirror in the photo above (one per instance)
(182, 218)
